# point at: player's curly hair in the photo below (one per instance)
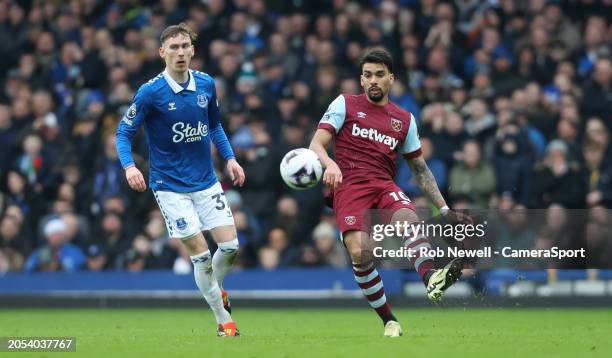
(377, 55)
(174, 30)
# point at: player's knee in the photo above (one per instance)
(229, 247)
(405, 215)
(360, 255)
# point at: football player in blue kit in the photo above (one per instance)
(180, 114)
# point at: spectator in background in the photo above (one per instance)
(556, 228)
(57, 254)
(97, 258)
(20, 194)
(8, 133)
(597, 234)
(567, 131)
(449, 138)
(112, 235)
(30, 163)
(12, 244)
(284, 254)
(108, 177)
(474, 177)
(254, 151)
(132, 261)
(513, 159)
(513, 231)
(597, 99)
(327, 246)
(556, 180)
(480, 123)
(597, 176)
(268, 258)
(15, 233)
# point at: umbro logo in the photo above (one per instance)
(171, 106)
(361, 114)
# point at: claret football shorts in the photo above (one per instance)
(351, 201)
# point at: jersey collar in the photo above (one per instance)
(176, 88)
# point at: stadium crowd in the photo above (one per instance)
(513, 101)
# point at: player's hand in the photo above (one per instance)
(236, 173)
(135, 179)
(332, 176)
(459, 217)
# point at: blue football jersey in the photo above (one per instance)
(180, 124)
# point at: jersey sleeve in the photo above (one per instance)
(412, 146)
(217, 133)
(213, 107)
(333, 119)
(129, 125)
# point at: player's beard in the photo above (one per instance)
(376, 97)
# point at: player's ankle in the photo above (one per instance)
(389, 318)
(427, 276)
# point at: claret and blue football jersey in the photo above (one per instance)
(180, 123)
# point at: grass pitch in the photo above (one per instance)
(321, 332)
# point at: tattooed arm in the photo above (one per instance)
(426, 181)
(427, 184)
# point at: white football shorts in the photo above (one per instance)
(186, 214)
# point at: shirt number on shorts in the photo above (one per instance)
(399, 196)
(220, 203)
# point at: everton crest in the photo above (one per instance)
(181, 223)
(202, 100)
(396, 124)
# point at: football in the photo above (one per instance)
(301, 169)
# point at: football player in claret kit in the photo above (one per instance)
(369, 132)
(180, 114)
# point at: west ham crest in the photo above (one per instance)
(350, 220)
(202, 101)
(396, 124)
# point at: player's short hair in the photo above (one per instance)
(174, 30)
(378, 55)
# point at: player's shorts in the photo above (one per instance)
(186, 214)
(353, 200)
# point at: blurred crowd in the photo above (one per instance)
(513, 101)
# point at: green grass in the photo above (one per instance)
(321, 332)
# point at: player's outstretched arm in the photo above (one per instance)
(427, 184)
(320, 141)
(426, 181)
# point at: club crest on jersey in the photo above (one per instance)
(202, 101)
(181, 224)
(396, 124)
(350, 220)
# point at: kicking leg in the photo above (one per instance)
(436, 281)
